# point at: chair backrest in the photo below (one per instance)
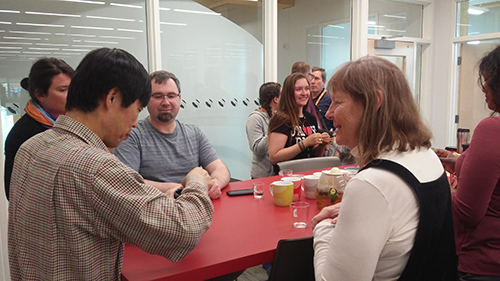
(293, 260)
(307, 164)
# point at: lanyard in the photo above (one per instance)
(320, 97)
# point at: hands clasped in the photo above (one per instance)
(329, 212)
(448, 159)
(318, 139)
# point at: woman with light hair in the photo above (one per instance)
(394, 222)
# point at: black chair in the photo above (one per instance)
(293, 260)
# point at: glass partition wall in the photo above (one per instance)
(477, 32)
(216, 51)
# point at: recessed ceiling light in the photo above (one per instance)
(108, 18)
(30, 32)
(76, 50)
(85, 1)
(52, 14)
(43, 49)
(82, 35)
(40, 24)
(67, 54)
(173, 23)
(16, 43)
(21, 38)
(394, 16)
(9, 11)
(101, 42)
(473, 42)
(129, 30)
(476, 10)
(117, 37)
(36, 53)
(125, 5)
(336, 26)
(92, 27)
(5, 22)
(11, 48)
(165, 9)
(51, 44)
(395, 30)
(197, 12)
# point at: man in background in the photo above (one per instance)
(73, 204)
(320, 97)
(163, 150)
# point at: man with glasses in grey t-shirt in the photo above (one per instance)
(163, 150)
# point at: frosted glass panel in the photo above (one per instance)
(304, 35)
(31, 29)
(477, 17)
(395, 19)
(218, 57)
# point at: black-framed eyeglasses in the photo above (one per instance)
(169, 96)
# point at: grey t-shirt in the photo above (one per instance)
(165, 157)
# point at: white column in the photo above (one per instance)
(359, 29)
(153, 34)
(270, 40)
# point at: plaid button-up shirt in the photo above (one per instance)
(73, 206)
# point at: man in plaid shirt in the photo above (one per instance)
(74, 204)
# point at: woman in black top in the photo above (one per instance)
(293, 131)
(47, 85)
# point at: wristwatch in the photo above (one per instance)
(178, 192)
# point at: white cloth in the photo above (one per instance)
(377, 222)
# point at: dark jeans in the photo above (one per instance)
(475, 277)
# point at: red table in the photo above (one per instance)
(244, 233)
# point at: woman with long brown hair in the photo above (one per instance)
(394, 222)
(293, 131)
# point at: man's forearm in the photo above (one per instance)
(164, 186)
(222, 175)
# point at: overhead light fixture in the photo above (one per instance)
(5, 22)
(30, 32)
(43, 49)
(91, 27)
(9, 11)
(197, 12)
(129, 30)
(117, 37)
(17, 43)
(108, 18)
(52, 14)
(336, 26)
(76, 50)
(477, 11)
(126, 5)
(394, 16)
(36, 53)
(82, 35)
(10, 52)
(101, 42)
(85, 1)
(473, 43)
(396, 30)
(370, 22)
(40, 24)
(87, 46)
(51, 44)
(21, 38)
(173, 23)
(11, 48)
(66, 54)
(165, 9)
